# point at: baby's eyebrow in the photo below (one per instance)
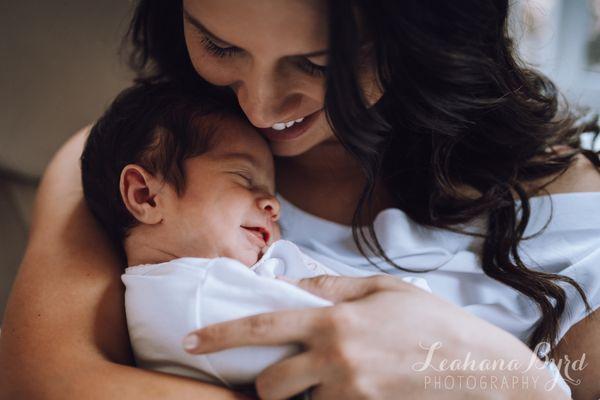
(240, 157)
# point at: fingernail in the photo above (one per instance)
(190, 342)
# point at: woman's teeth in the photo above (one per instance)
(283, 125)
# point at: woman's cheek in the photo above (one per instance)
(213, 71)
(219, 72)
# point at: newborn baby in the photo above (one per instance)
(185, 187)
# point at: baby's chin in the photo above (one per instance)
(248, 257)
(250, 254)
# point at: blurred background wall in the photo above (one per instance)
(562, 39)
(60, 68)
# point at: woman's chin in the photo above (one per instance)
(288, 149)
(300, 146)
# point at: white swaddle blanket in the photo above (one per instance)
(164, 302)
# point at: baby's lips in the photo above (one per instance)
(260, 233)
(266, 234)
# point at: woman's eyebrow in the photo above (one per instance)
(198, 25)
(315, 54)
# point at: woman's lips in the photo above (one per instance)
(292, 132)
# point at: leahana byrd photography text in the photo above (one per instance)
(501, 374)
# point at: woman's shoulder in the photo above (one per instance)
(581, 176)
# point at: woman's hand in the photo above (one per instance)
(383, 339)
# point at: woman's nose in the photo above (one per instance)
(264, 99)
(271, 205)
(259, 106)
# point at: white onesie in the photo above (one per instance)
(164, 302)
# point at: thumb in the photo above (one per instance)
(343, 288)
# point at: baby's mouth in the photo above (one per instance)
(261, 234)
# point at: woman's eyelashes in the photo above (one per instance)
(222, 52)
(216, 50)
(311, 68)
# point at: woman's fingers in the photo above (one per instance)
(276, 328)
(289, 377)
(340, 288)
(284, 327)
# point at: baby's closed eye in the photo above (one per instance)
(245, 176)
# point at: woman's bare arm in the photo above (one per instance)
(581, 176)
(581, 343)
(64, 333)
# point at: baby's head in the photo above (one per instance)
(171, 174)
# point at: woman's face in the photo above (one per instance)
(273, 54)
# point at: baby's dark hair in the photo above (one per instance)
(156, 126)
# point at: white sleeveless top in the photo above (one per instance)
(570, 246)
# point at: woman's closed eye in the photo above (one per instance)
(217, 50)
(303, 63)
(311, 68)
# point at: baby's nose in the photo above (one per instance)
(271, 205)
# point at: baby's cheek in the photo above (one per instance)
(276, 235)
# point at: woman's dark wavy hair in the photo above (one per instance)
(459, 110)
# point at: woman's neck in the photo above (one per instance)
(326, 181)
(327, 161)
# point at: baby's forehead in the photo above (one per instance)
(242, 154)
(235, 138)
(238, 157)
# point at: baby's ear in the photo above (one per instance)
(139, 191)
